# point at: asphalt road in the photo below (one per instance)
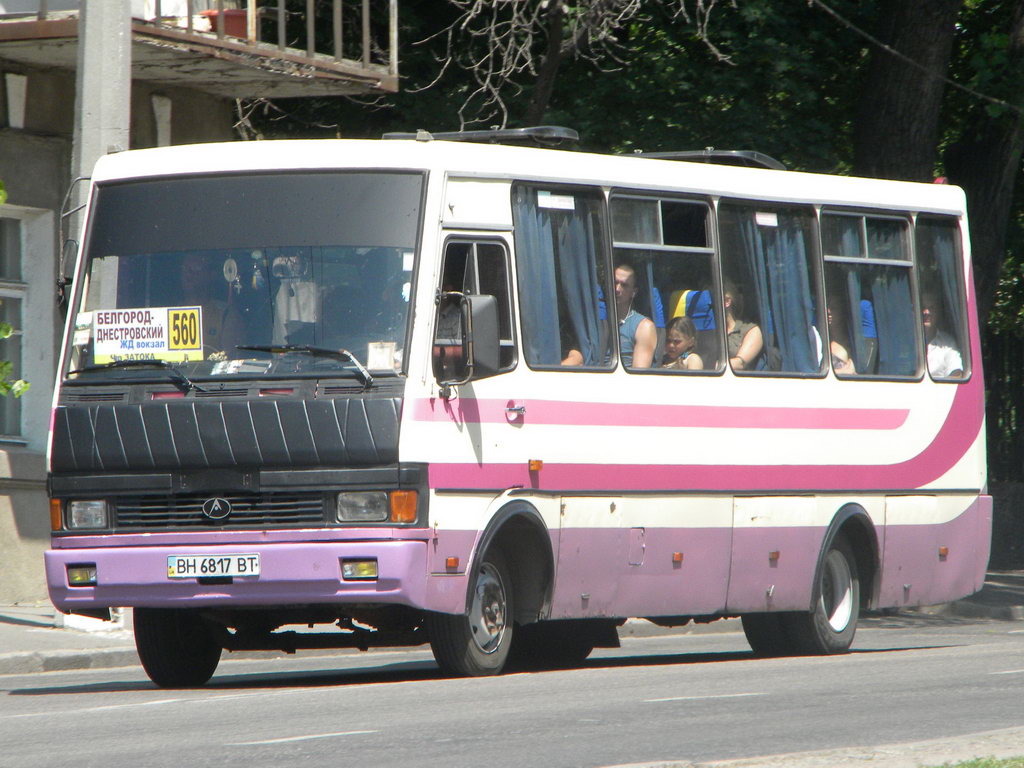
(676, 699)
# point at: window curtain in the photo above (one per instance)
(538, 299)
(897, 353)
(557, 256)
(855, 325)
(943, 250)
(577, 266)
(777, 262)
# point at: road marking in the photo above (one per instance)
(299, 738)
(1008, 672)
(704, 698)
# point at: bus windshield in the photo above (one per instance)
(249, 275)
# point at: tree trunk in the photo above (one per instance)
(548, 70)
(985, 161)
(896, 130)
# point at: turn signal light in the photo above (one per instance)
(403, 506)
(56, 515)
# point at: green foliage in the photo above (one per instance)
(9, 386)
(987, 762)
(17, 387)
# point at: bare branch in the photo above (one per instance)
(505, 44)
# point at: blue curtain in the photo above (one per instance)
(894, 316)
(777, 262)
(577, 265)
(557, 253)
(537, 299)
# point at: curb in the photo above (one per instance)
(968, 610)
(63, 661)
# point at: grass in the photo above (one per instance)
(987, 762)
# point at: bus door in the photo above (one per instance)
(479, 424)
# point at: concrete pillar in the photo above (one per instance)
(103, 88)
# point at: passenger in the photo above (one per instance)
(680, 340)
(637, 334)
(944, 358)
(842, 363)
(571, 354)
(744, 340)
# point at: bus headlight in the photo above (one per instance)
(87, 513)
(362, 506)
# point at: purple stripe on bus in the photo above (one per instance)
(573, 413)
(954, 439)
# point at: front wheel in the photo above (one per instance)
(477, 643)
(177, 648)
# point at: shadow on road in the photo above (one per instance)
(403, 672)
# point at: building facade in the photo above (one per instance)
(185, 63)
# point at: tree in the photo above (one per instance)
(897, 130)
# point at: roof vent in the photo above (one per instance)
(744, 157)
(538, 135)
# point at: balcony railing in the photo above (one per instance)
(343, 34)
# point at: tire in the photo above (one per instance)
(829, 628)
(477, 643)
(552, 644)
(766, 634)
(177, 648)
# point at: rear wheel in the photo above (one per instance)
(829, 628)
(177, 648)
(477, 643)
(766, 634)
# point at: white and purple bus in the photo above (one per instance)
(499, 399)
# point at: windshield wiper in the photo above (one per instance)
(308, 349)
(179, 379)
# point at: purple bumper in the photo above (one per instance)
(290, 573)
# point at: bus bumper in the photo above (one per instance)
(290, 574)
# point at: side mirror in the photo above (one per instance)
(466, 340)
(66, 271)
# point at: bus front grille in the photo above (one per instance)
(246, 511)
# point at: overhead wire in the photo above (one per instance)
(906, 59)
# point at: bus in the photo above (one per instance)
(501, 398)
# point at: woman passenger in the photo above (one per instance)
(680, 340)
(744, 339)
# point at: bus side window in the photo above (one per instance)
(564, 291)
(943, 308)
(772, 309)
(667, 243)
(871, 307)
(481, 268)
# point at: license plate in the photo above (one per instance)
(202, 566)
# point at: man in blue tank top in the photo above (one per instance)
(637, 334)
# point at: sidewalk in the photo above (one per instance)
(35, 639)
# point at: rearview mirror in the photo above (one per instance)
(466, 342)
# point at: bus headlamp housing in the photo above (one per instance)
(87, 514)
(396, 506)
(362, 506)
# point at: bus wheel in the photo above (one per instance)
(830, 627)
(766, 634)
(477, 643)
(552, 644)
(177, 648)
